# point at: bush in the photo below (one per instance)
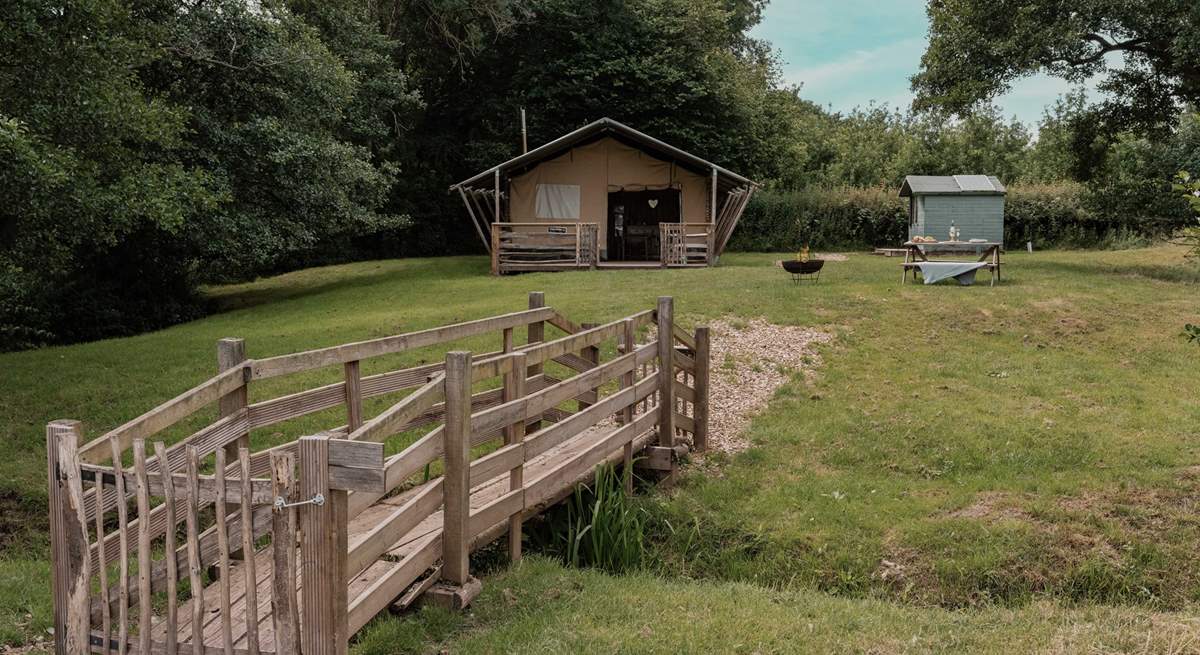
(1050, 215)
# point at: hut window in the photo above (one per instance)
(557, 201)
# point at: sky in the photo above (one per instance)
(847, 53)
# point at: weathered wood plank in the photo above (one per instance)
(165, 415)
(553, 480)
(390, 585)
(400, 522)
(321, 357)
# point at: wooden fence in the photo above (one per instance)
(202, 546)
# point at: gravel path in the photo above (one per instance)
(750, 360)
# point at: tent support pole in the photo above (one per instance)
(474, 221)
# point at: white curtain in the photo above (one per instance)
(557, 202)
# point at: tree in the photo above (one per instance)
(977, 48)
(685, 71)
(148, 147)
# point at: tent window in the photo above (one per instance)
(557, 201)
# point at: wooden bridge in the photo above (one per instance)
(203, 546)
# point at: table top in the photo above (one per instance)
(978, 244)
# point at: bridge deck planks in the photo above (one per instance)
(359, 526)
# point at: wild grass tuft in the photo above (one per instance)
(600, 526)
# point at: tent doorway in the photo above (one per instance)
(633, 218)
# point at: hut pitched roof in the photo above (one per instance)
(986, 185)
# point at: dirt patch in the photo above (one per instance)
(750, 360)
(991, 505)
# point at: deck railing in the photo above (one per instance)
(686, 244)
(544, 246)
(203, 546)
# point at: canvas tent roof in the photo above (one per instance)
(986, 185)
(606, 127)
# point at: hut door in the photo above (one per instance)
(633, 218)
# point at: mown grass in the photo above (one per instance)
(1012, 450)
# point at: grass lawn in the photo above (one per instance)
(985, 468)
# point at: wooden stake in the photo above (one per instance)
(249, 573)
(102, 569)
(123, 532)
(223, 550)
(193, 548)
(160, 451)
(143, 509)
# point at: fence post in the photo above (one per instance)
(537, 329)
(71, 565)
(666, 374)
(496, 247)
(283, 550)
(457, 588)
(354, 401)
(514, 388)
(629, 338)
(536, 333)
(231, 353)
(590, 354)
(323, 552)
(700, 377)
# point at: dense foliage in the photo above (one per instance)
(1063, 215)
(148, 148)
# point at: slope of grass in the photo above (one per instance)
(961, 447)
(540, 607)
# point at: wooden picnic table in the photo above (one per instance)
(916, 252)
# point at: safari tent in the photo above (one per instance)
(604, 196)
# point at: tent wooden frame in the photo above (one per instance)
(486, 198)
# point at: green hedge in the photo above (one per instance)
(1052, 216)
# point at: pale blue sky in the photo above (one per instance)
(850, 52)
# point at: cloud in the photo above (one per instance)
(861, 76)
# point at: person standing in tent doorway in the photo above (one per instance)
(619, 227)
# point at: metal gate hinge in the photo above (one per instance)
(317, 500)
